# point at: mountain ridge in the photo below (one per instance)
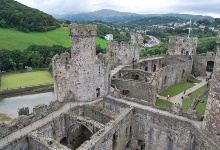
(110, 15)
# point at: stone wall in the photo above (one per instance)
(157, 131)
(22, 121)
(19, 144)
(84, 72)
(123, 53)
(115, 135)
(99, 114)
(139, 90)
(112, 105)
(37, 141)
(14, 91)
(173, 74)
(135, 74)
(151, 64)
(200, 63)
(182, 46)
(212, 113)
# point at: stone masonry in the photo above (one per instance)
(127, 120)
(212, 114)
(123, 53)
(182, 46)
(83, 72)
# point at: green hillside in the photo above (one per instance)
(12, 39)
(16, 15)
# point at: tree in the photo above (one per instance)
(36, 60)
(3, 23)
(21, 66)
(13, 64)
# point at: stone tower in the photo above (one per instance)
(182, 46)
(211, 122)
(84, 76)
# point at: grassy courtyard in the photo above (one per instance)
(200, 108)
(14, 80)
(176, 89)
(163, 103)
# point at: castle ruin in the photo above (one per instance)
(125, 118)
(83, 76)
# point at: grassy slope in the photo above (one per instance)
(12, 39)
(14, 80)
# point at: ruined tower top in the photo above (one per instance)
(182, 46)
(82, 30)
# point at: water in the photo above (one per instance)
(11, 105)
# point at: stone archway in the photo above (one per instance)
(77, 134)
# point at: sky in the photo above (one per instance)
(197, 7)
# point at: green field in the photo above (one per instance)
(13, 80)
(12, 39)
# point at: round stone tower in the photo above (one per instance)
(211, 122)
(83, 76)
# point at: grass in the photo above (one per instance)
(4, 118)
(200, 107)
(163, 103)
(187, 102)
(14, 80)
(176, 89)
(101, 42)
(195, 80)
(12, 39)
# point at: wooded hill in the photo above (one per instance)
(16, 15)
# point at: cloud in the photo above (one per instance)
(136, 6)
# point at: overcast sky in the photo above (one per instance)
(200, 7)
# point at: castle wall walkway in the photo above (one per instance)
(24, 131)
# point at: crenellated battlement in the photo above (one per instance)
(82, 30)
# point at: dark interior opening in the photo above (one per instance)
(154, 69)
(76, 135)
(98, 92)
(146, 69)
(210, 66)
